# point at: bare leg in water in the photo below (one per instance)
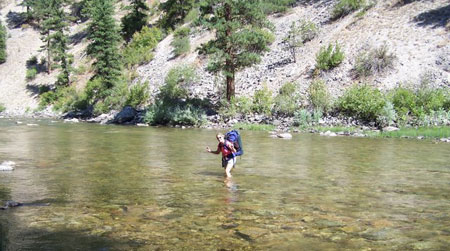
(230, 165)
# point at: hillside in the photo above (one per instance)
(415, 32)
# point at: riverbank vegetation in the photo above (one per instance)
(116, 50)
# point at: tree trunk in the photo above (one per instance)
(230, 87)
(48, 54)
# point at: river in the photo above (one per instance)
(144, 188)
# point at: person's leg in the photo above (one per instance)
(230, 165)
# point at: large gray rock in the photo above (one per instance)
(284, 135)
(127, 114)
(390, 129)
(7, 166)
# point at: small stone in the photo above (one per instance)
(32, 124)
(19, 122)
(140, 124)
(420, 137)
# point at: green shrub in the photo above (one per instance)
(31, 73)
(164, 114)
(138, 95)
(3, 37)
(139, 50)
(362, 102)
(329, 57)
(242, 105)
(431, 99)
(285, 102)
(276, 6)
(319, 96)
(404, 101)
(263, 101)
(303, 118)
(192, 15)
(387, 115)
(308, 30)
(345, 7)
(374, 61)
(33, 61)
(181, 46)
(2, 107)
(176, 80)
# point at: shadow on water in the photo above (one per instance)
(435, 18)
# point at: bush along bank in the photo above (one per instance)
(362, 110)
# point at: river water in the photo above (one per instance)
(135, 188)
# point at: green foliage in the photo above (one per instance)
(254, 127)
(404, 101)
(2, 107)
(345, 7)
(303, 118)
(263, 101)
(162, 113)
(104, 39)
(31, 73)
(176, 82)
(362, 102)
(300, 34)
(3, 37)
(138, 95)
(174, 12)
(286, 102)
(139, 50)
(318, 95)
(242, 105)
(181, 43)
(387, 115)
(374, 61)
(240, 36)
(135, 19)
(172, 104)
(276, 6)
(192, 15)
(329, 57)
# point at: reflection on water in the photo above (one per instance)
(122, 188)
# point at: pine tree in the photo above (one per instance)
(52, 22)
(3, 35)
(104, 40)
(241, 36)
(135, 20)
(174, 12)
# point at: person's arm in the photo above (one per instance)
(231, 146)
(215, 152)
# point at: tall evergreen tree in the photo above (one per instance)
(3, 36)
(175, 11)
(135, 20)
(241, 36)
(104, 40)
(52, 26)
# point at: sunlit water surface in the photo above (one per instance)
(132, 188)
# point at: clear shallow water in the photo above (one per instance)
(130, 188)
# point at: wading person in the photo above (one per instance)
(227, 149)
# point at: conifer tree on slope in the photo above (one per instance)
(52, 29)
(135, 20)
(104, 40)
(2, 43)
(241, 36)
(174, 12)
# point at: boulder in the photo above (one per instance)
(284, 135)
(127, 114)
(7, 166)
(390, 129)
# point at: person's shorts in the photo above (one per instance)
(225, 161)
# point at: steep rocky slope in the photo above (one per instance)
(415, 32)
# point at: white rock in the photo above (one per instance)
(32, 124)
(7, 166)
(284, 135)
(390, 129)
(19, 122)
(74, 120)
(139, 124)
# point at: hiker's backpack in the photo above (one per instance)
(234, 137)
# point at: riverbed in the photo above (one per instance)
(106, 187)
